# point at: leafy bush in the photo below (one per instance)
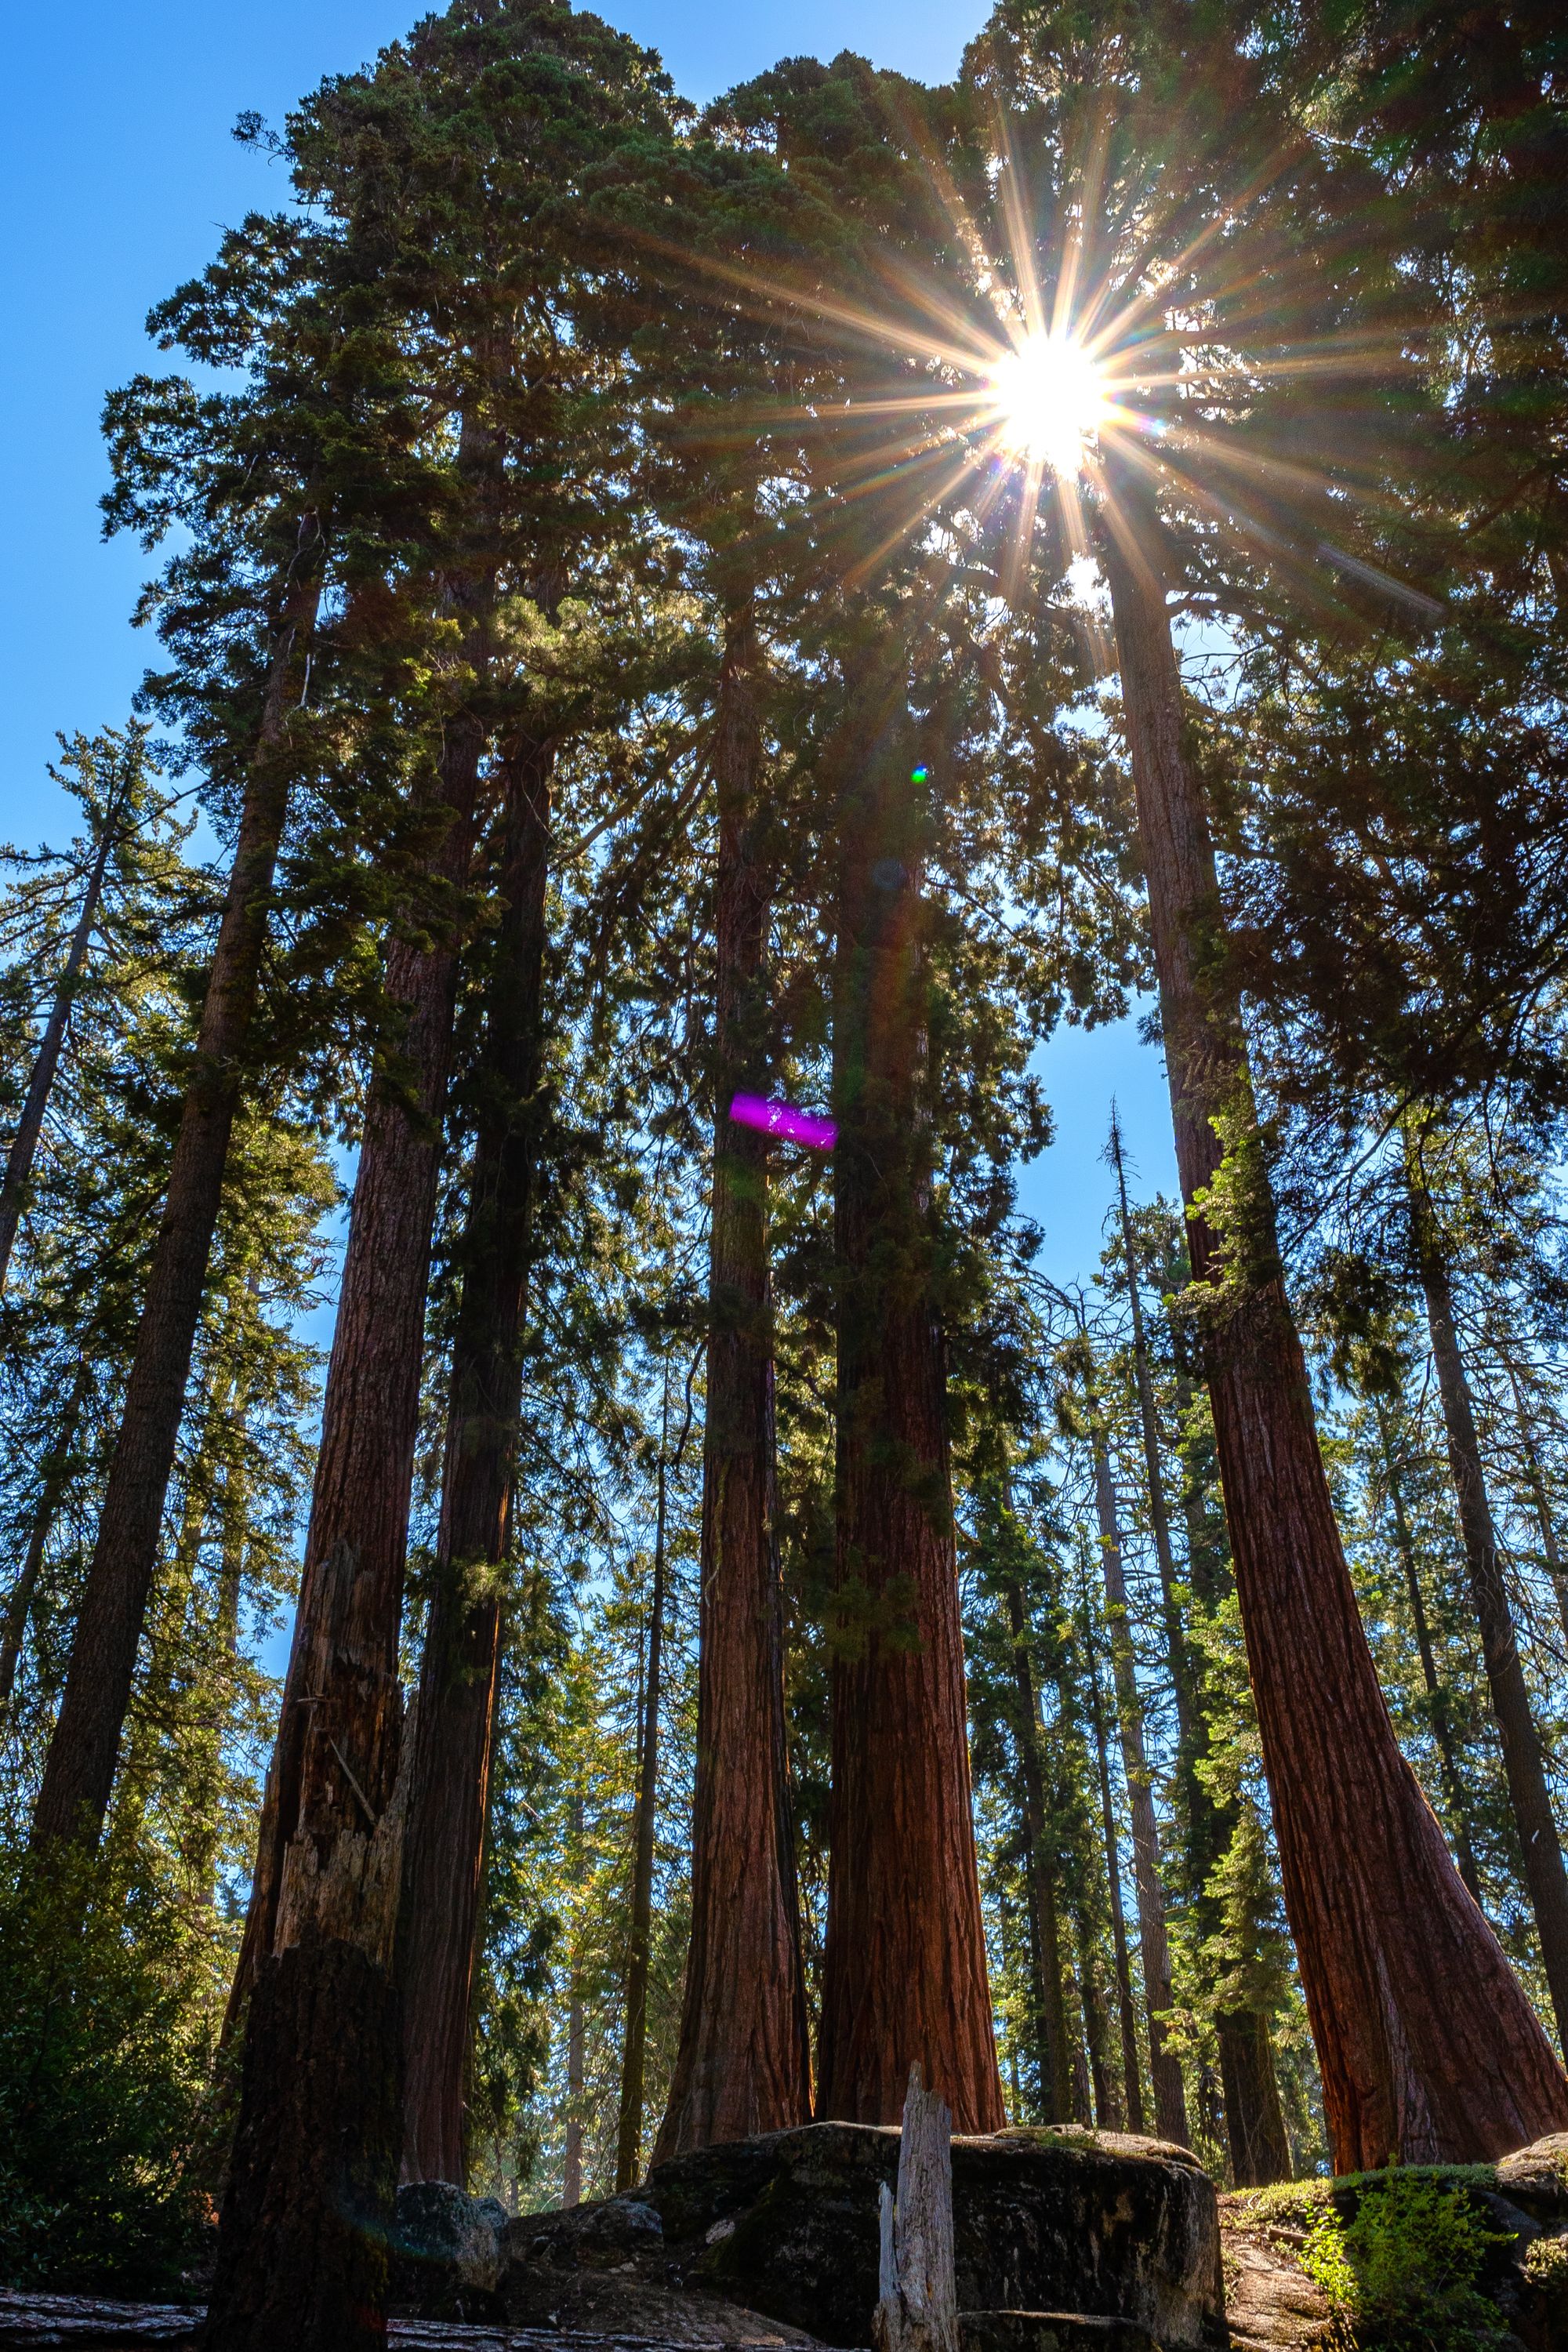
(1402, 2275)
(105, 2057)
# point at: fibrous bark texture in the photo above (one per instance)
(1523, 1765)
(743, 2063)
(330, 1850)
(1426, 2046)
(904, 1976)
(453, 1737)
(79, 1773)
(320, 2067)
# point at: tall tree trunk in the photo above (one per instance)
(1126, 2015)
(450, 1771)
(1176, 1648)
(1254, 2118)
(30, 1125)
(1540, 1499)
(743, 2065)
(1108, 2115)
(572, 2171)
(56, 1469)
(1383, 1926)
(1523, 1763)
(1057, 2075)
(79, 1773)
(1437, 1697)
(1165, 2072)
(319, 2179)
(904, 1976)
(199, 1848)
(629, 2134)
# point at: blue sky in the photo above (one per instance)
(117, 170)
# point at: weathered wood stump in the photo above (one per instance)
(917, 2309)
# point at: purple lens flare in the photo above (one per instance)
(783, 1119)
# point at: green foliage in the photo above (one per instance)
(106, 2057)
(1403, 2273)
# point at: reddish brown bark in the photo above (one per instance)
(346, 1623)
(1426, 2046)
(452, 1738)
(743, 2063)
(1523, 1765)
(313, 2158)
(1164, 2071)
(325, 1890)
(79, 1773)
(904, 1975)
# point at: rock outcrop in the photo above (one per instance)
(1520, 2207)
(1048, 2227)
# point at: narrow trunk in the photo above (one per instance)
(1522, 1762)
(324, 1895)
(1056, 2080)
(571, 2180)
(1437, 1697)
(56, 1470)
(1254, 2118)
(743, 2065)
(25, 1143)
(1383, 1926)
(1170, 2096)
(1541, 1501)
(451, 1771)
(79, 1773)
(1108, 2115)
(1180, 1664)
(1126, 2015)
(904, 1976)
(628, 2137)
(200, 1846)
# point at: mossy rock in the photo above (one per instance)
(1416, 2258)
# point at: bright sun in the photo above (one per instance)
(1050, 400)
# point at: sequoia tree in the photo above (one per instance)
(1405, 2071)
(904, 1975)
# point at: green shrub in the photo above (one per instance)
(105, 2055)
(1403, 2274)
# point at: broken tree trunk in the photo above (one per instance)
(917, 2309)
